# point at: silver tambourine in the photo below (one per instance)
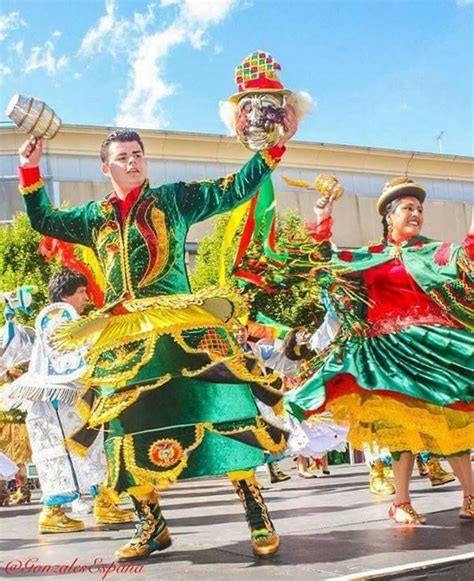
(33, 116)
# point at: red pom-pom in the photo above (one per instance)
(376, 248)
(346, 256)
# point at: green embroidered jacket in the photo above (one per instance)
(145, 256)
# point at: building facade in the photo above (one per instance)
(71, 167)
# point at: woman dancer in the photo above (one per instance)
(402, 371)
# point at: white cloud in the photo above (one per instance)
(42, 57)
(141, 106)
(18, 47)
(57, 34)
(202, 12)
(463, 3)
(77, 76)
(113, 34)
(197, 38)
(9, 22)
(4, 70)
(95, 38)
(146, 50)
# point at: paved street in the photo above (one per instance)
(330, 528)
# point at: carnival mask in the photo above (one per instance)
(259, 120)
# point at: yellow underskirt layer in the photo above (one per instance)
(122, 329)
(403, 425)
(214, 304)
(14, 442)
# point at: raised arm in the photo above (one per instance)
(200, 200)
(321, 230)
(70, 225)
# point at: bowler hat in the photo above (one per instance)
(398, 188)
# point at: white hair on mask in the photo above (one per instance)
(227, 114)
(302, 102)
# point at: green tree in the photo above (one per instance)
(22, 264)
(206, 270)
(296, 307)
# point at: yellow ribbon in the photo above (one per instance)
(233, 224)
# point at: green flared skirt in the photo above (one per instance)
(411, 390)
(187, 428)
(171, 386)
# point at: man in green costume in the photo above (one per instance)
(164, 372)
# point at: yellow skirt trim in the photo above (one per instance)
(149, 326)
(383, 421)
(165, 478)
(161, 479)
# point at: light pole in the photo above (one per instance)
(439, 139)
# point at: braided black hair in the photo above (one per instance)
(389, 209)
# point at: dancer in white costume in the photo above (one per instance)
(16, 341)
(49, 390)
(318, 435)
(16, 344)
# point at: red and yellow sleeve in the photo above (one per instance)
(30, 180)
(273, 155)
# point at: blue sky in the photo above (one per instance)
(383, 73)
